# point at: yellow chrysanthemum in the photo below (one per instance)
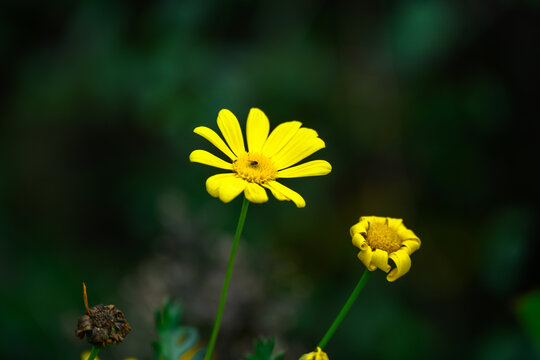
(269, 157)
(315, 355)
(383, 238)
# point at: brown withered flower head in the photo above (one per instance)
(102, 324)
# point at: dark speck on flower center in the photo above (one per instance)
(255, 168)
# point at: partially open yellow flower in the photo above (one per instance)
(86, 354)
(315, 355)
(381, 238)
(269, 157)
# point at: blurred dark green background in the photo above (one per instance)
(428, 110)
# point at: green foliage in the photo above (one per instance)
(263, 350)
(504, 265)
(528, 310)
(174, 340)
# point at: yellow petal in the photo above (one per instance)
(231, 188)
(365, 257)
(285, 192)
(86, 354)
(311, 168)
(280, 136)
(403, 264)
(255, 193)
(376, 220)
(394, 224)
(257, 129)
(406, 234)
(360, 227)
(380, 260)
(204, 157)
(318, 355)
(213, 183)
(359, 241)
(230, 128)
(214, 138)
(304, 143)
(276, 193)
(412, 245)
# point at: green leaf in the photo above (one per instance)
(174, 340)
(263, 350)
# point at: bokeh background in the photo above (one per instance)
(427, 109)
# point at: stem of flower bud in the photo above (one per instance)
(345, 309)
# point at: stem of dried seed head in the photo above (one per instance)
(85, 299)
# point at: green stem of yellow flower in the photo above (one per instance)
(93, 353)
(345, 309)
(227, 280)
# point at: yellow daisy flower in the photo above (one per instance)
(381, 238)
(269, 157)
(318, 355)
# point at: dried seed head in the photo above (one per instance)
(102, 324)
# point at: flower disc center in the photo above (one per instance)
(255, 168)
(380, 236)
